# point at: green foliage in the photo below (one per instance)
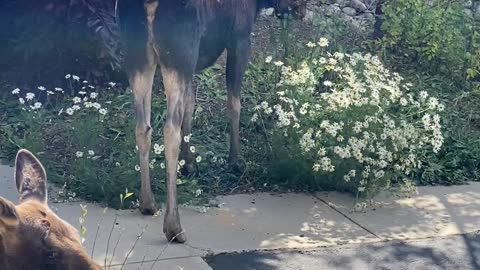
(86, 140)
(460, 160)
(430, 34)
(472, 55)
(436, 44)
(93, 154)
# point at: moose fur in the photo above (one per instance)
(182, 37)
(31, 235)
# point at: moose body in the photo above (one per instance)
(31, 235)
(183, 37)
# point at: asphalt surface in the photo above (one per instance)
(460, 252)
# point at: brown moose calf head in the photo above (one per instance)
(33, 237)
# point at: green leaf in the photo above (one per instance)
(127, 195)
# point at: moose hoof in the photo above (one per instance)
(176, 236)
(148, 208)
(173, 230)
(188, 169)
(237, 166)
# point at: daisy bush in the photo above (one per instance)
(84, 133)
(346, 118)
(316, 120)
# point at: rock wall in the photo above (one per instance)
(360, 14)
(365, 9)
(352, 8)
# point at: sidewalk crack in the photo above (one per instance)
(206, 250)
(346, 216)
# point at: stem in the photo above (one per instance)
(108, 242)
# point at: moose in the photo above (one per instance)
(31, 235)
(182, 37)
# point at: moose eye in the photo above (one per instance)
(51, 259)
(51, 255)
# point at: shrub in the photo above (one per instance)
(436, 45)
(429, 34)
(85, 135)
(346, 120)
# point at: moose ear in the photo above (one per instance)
(30, 177)
(7, 211)
(9, 218)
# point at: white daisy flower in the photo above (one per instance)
(311, 45)
(323, 42)
(30, 96)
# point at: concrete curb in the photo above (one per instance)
(270, 222)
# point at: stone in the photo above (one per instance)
(358, 5)
(268, 12)
(343, 3)
(349, 11)
(329, 10)
(309, 15)
(468, 12)
(476, 10)
(468, 3)
(370, 3)
(369, 17)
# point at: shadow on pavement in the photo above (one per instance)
(430, 254)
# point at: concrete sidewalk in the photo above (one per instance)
(267, 222)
